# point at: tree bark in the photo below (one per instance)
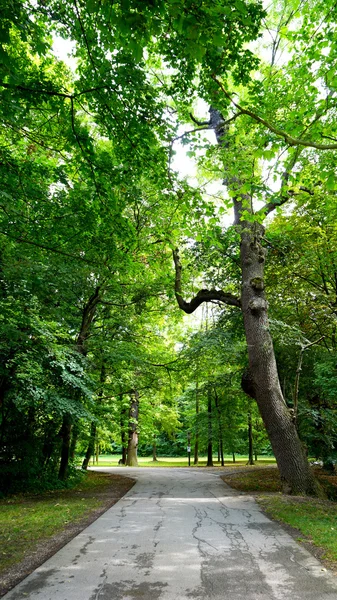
(87, 318)
(91, 446)
(197, 409)
(132, 460)
(65, 434)
(217, 404)
(93, 427)
(210, 432)
(124, 438)
(295, 473)
(154, 451)
(250, 438)
(75, 431)
(222, 453)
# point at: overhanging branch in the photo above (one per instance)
(202, 295)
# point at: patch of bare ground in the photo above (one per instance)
(108, 495)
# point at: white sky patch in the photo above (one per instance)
(64, 50)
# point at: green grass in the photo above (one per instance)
(111, 460)
(316, 519)
(27, 520)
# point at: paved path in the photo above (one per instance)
(180, 534)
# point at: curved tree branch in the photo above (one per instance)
(202, 295)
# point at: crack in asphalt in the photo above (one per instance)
(180, 534)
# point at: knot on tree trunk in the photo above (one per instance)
(257, 305)
(257, 283)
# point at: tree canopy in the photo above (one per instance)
(104, 244)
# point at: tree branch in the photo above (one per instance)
(197, 122)
(287, 138)
(202, 295)
(23, 88)
(48, 248)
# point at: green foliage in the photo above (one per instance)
(90, 209)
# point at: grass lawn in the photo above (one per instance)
(111, 460)
(315, 520)
(28, 521)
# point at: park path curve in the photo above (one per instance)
(180, 534)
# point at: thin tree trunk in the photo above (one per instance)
(222, 454)
(217, 404)
(65, 434)
(250, 438)
(124, 437)
(197, 410)
(154, 450)
(74, 437)
(132, 460)
(297, 377)
(210, 432)
(87, 318)
(91, 446)
(233, 456)
(93, 427)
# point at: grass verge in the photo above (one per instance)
(32, 528)
(313, 522)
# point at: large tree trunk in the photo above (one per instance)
(296, 476)
(132, 460)
(295, 473)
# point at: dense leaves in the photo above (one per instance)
(91, 209)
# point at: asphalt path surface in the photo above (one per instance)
(180, 534)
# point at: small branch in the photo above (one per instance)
(179, 137)
(283, 198)
(270, 206)
(329, 137)
(197, 122)
(298, 371)
(202, 295)
(23, 240)
(23, 88)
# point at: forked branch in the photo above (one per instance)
(202, 295)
